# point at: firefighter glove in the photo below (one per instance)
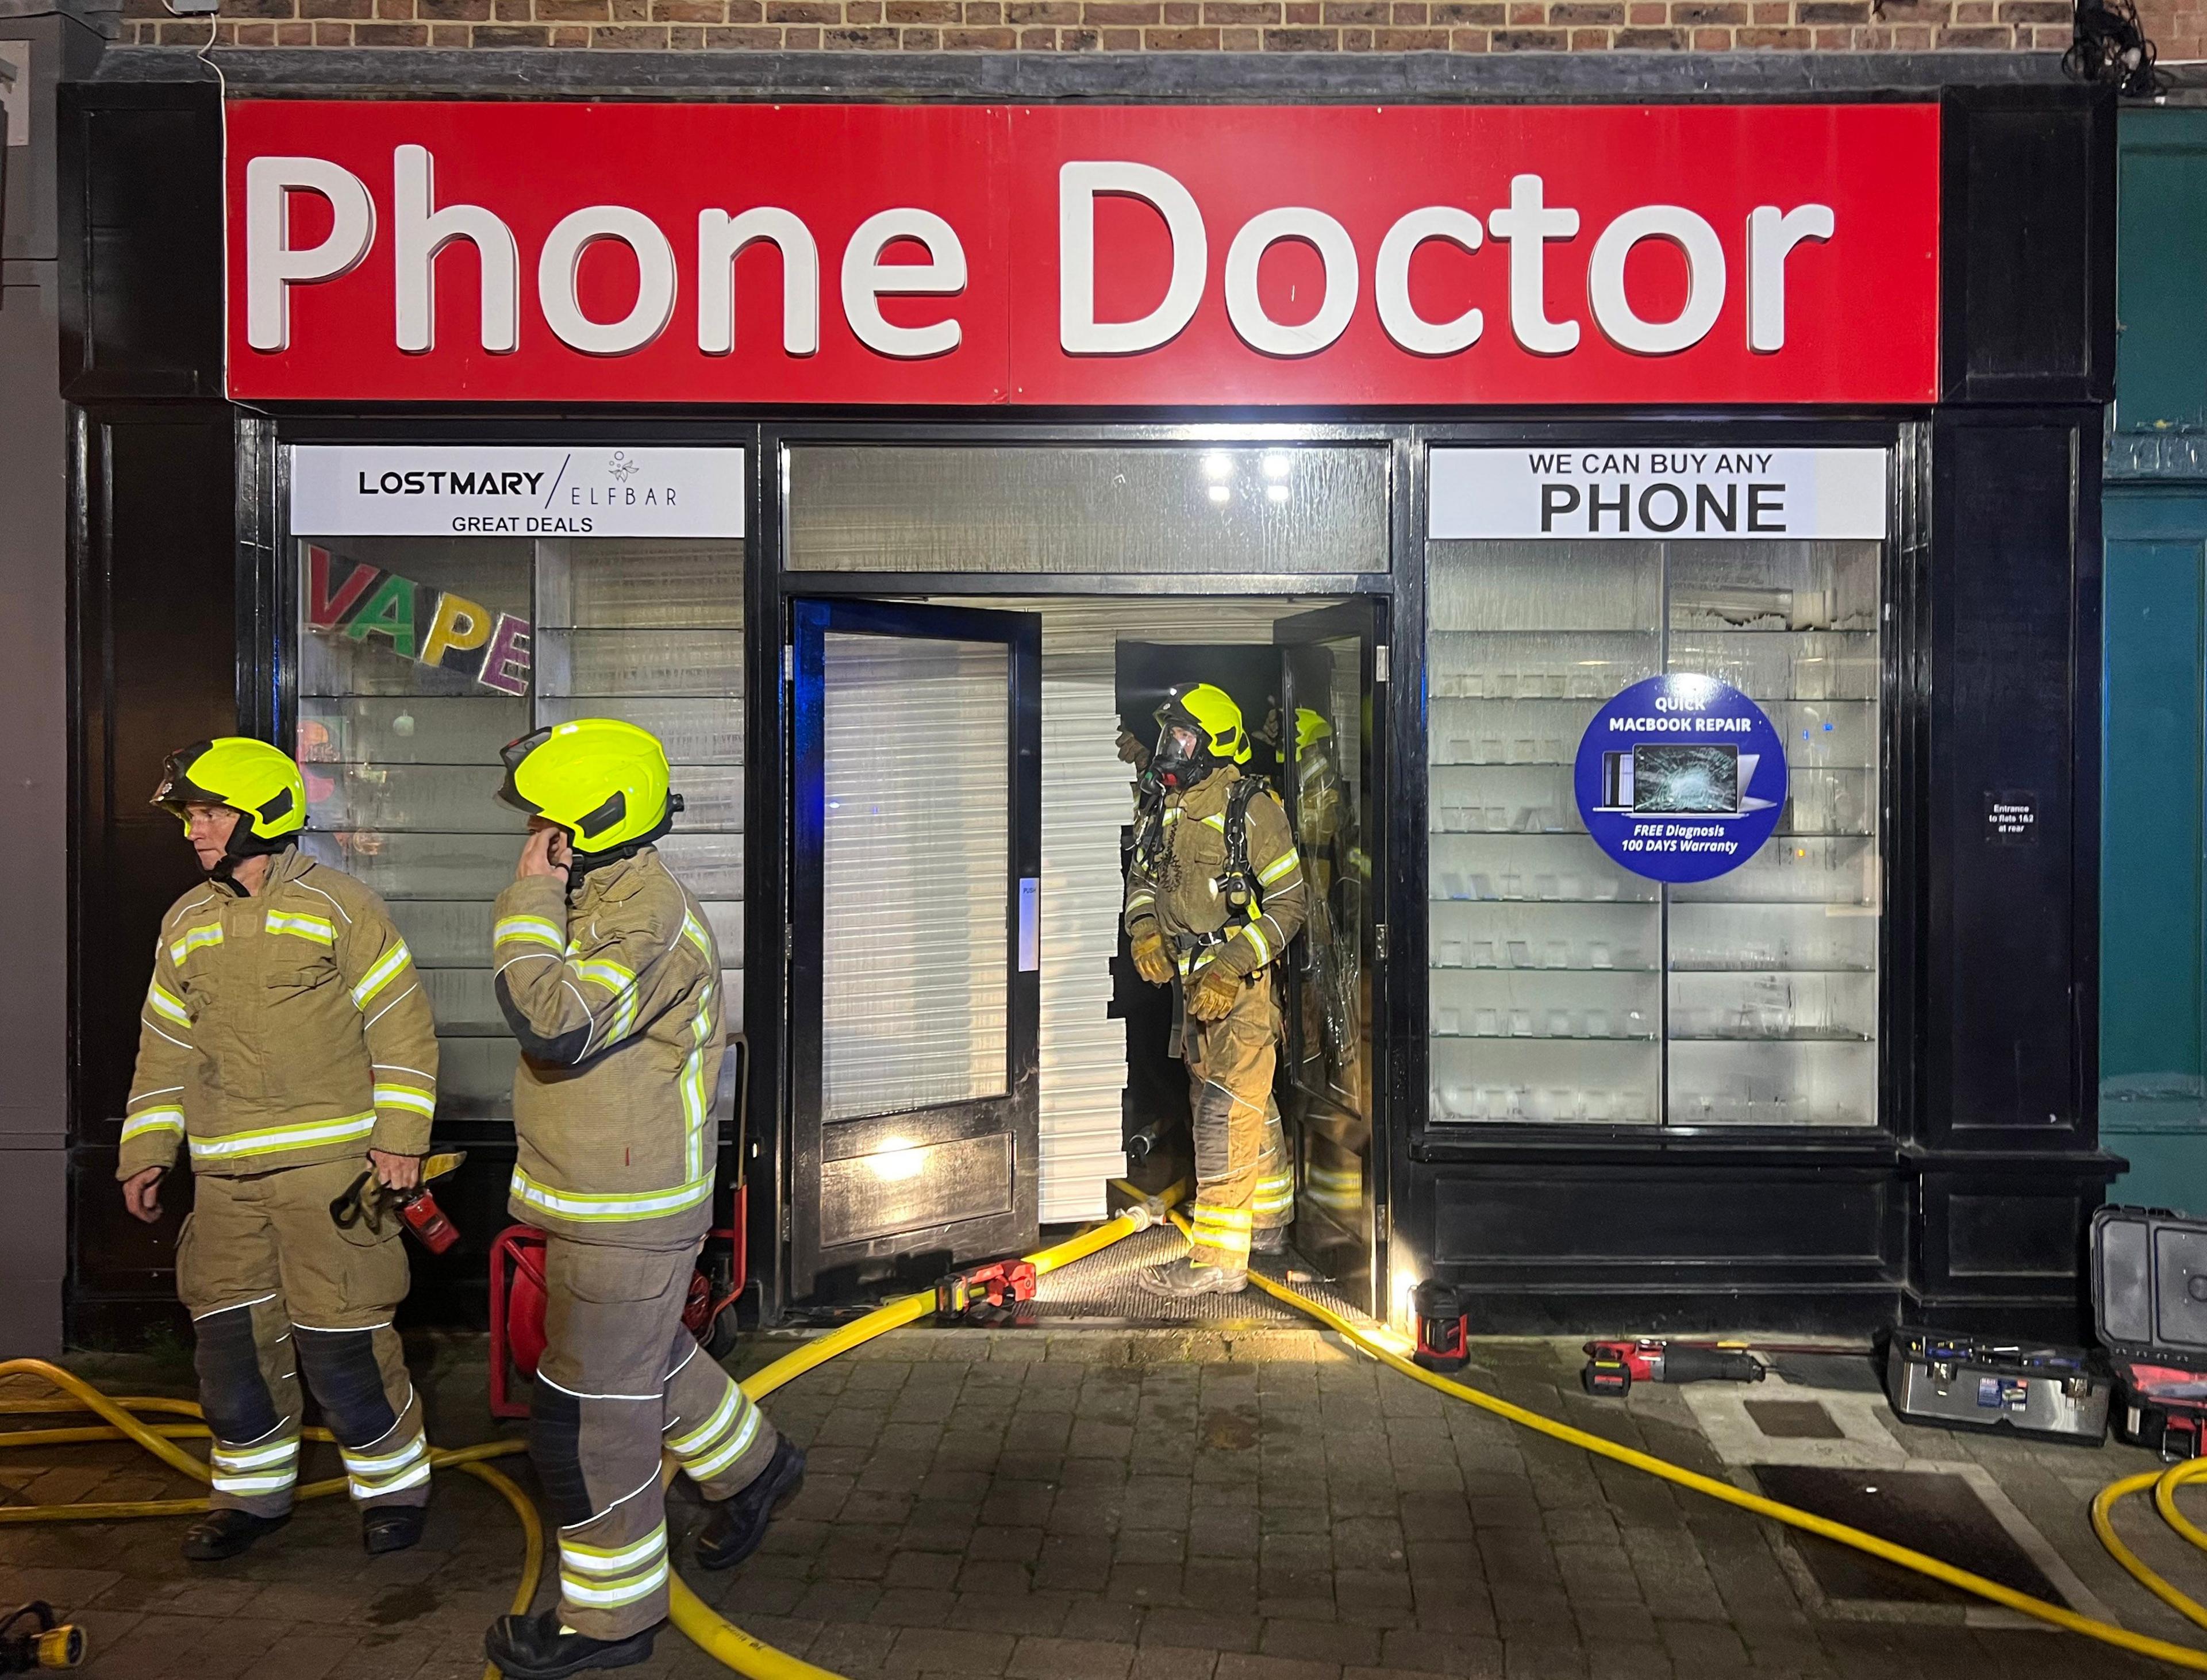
(1150, 959)
(1214, 994)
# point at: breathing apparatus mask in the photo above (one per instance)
(1199, 729)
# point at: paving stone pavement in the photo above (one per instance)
(1108, 1505)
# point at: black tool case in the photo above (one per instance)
(2149, 1308)
(1961, 1381)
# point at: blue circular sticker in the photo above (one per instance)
(1681, 778)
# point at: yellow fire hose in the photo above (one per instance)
(729, 1645)
(79, 1396)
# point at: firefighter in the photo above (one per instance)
(1214, 894)
(607, 972)
(287, 1042)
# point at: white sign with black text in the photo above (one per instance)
(1610, 491)
(502, 491)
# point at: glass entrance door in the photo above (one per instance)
(1329, 761)
(915, 943)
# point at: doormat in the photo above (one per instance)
(1927, 1511)
(1795, 1421)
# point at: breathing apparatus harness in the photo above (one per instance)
(1236, 882)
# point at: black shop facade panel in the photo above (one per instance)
(1652, 547)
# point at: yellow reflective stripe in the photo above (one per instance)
(369, 1487)
(527, 929)
(1288, 860)
(612, 1593)
(384, 972)
(706, 1467)
(258, 1458)
(1172, 814)
(270, 1139)
(696, 933)
(597, 1209)
(316, 927)
(405, 1096)
(165, 1003)
(1137, 900)
(243, 1485)
(1227, 1217)
(730, 1402)
(1217, 821)
(612, 1560)
(693, 1086)
(1249, 931)
(382, 1464)
(207, 934)
(153, 1119)
(610, 975)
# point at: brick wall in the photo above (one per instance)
(1152, 26)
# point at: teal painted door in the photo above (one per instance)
(2153, 910)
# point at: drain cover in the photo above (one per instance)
(1939, 1515)
(1794, 1420)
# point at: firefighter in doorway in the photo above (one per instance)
(1214, 895)
(607, 969)
(287, 1044)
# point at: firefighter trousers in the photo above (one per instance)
(277, 1291)
(621, 1378)
(1243, 1181)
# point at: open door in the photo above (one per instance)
(915, 946)
(1330, 765)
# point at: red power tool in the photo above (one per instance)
(1000, 1284)
(1612, 1368)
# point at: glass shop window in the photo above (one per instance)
(421, 657)
(1566, 987)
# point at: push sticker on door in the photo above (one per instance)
(1681, 778)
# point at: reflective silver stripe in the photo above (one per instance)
(384, 972)
(272, 1139)
(243, 1485)
(578, 1205)
(207, 934)
(166, 1003)
(405, 1096)
(612, 1560)
(533, 930)
(366, 1489)
(258, 1458)
(153, 1119)
(1289, 859)
(713, 1425)
(319, 928)
(710, 1466)
(361, 1464)
(613, 1593)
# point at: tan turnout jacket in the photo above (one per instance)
(281, 1030)
(1183, 896)
(616, 1000)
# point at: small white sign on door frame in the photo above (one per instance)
(1607, 491)
(597, 490)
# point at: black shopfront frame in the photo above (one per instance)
(1959, 1208)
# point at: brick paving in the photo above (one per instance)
(1112, 1505)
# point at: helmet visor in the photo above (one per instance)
(510, 756)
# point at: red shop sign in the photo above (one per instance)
(1335, 255)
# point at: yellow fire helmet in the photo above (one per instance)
(258, 781)
(1199, 729)
(604, 781)
(1311, 728)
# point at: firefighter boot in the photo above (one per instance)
(537, 1647)
(1183, 1280)
(738, 1522)
(225, 1531)
(391, 1528)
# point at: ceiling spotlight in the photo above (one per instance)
(1220, 494)
(1276, 466)
(1218, 466)
(1277, 493)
